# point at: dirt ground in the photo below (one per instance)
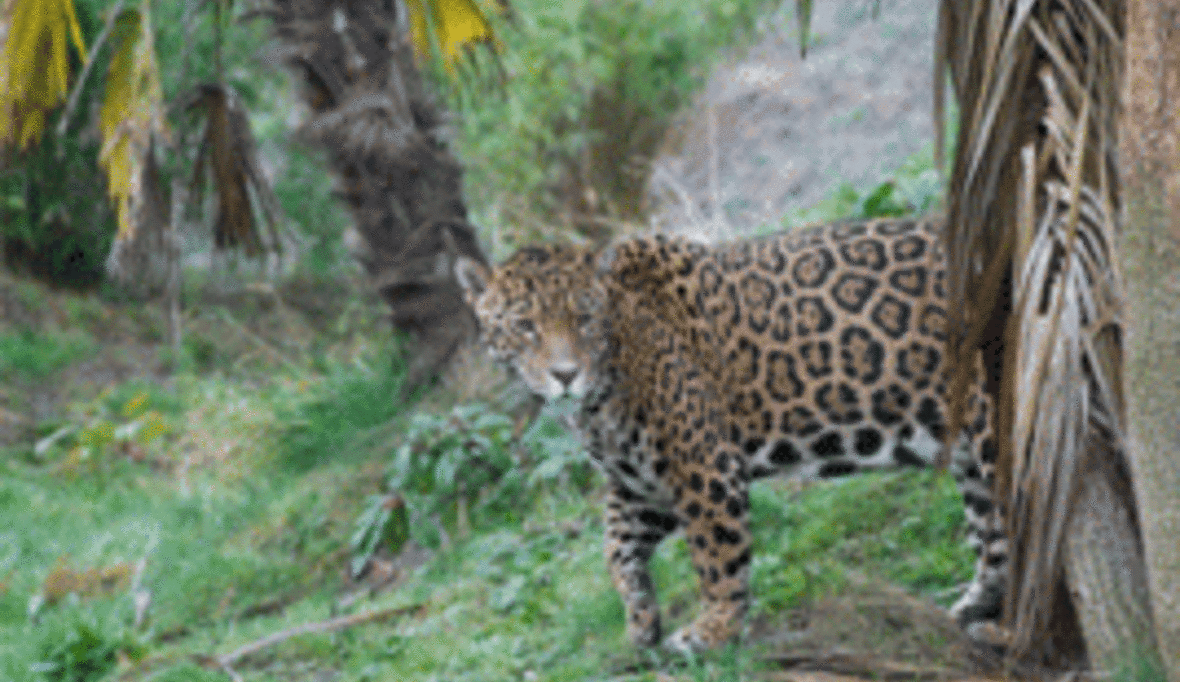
(786, 131)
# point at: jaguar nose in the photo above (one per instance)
(565, 377)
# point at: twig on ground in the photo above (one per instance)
(258, 340)
(226, 661)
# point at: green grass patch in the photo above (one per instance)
(30, 356)
(243, 504)
(906, 526)
(325, 420)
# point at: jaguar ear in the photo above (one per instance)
(473, 276)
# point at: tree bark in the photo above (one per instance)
(1150, 149)
(1104, 568)
(373, 115)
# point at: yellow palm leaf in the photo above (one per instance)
(35, 66)
(131, 111)
(455, 23)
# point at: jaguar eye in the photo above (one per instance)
(526, 326)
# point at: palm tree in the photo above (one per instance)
(1036, 284)
(1151, 257)
(371, 112)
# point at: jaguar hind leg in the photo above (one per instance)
(634, 528)
(979, 609)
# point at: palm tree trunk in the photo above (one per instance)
(1150, 147)
(372, 114)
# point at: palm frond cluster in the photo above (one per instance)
(1034, 212)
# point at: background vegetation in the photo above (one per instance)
(161, 507)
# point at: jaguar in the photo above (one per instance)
(698, 368)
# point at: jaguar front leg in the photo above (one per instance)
(634, 528)
(715, 511)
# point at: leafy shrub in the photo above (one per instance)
(466, 466)
(382, 523)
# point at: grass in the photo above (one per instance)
(26, 356)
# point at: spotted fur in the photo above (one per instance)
(816, 353)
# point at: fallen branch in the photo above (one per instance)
(226, 661)
(262, 344)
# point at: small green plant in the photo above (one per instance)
(448, 462)
(881, 202)
(466, 465)
(80, 650)
(382, 523)
(914, 188)
(898, 196)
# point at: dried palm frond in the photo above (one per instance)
(132, 113)
(139, 258)
(229, 155)
(372, 115)
(34, 65)
(1032, 224)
